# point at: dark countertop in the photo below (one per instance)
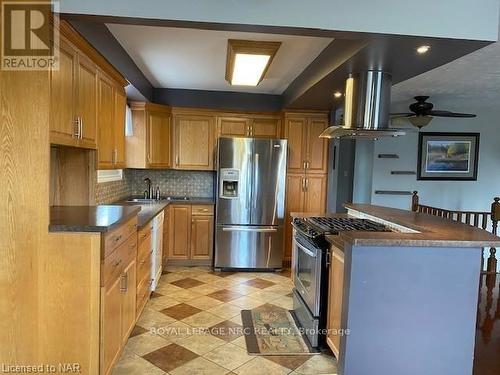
(433, 231)
(89, 218)
(103, 218)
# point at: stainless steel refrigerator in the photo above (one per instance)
(250, 206)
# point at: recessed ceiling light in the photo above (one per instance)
(337, 94)
(247, 61)
(423, 49)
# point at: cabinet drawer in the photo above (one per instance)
(145, 248)
(142, 294)
(144, 268)
(206, 209)
(144, 234)
(119, 235)
(115, 262)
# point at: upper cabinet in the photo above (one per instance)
(73, 114)
(256, 126)
(149, 144)
(194, 141)
(307, 153)
(87, 101)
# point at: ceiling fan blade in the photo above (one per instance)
(450, 114)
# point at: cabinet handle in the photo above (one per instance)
(77, 130)
(328, 258)
(81, 128)
(177, 160)
(307, 165)
(304, 164)
(124, 283)
(303, 184)
(307, 184)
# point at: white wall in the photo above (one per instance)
(466, 195)
(476, 19)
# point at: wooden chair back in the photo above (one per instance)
(475, 218)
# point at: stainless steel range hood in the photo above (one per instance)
(366, 111)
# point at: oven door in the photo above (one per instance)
(307, 280)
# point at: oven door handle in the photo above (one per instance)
(250, 229)
(305, 250)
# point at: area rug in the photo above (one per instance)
(271, 330)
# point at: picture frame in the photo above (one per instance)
(448, 156)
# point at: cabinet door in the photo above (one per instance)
(315, 193)
(111, 330)
(295, 132)
(335, 296)
(119, 107)
(317, 148)
(105, 104)
(233, 127)
(165, 237)
(194, 142)
(86, 108)
(202, 229)
(294, 203)
(128, 299)
(179, 232)
(159, 140)
(265, 128)
(63, 127)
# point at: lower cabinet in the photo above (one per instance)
(144, 264)
(111, 327)
(191, 234)
(335, 297)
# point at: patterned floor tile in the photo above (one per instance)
(225, 295)
(223, 273)
(225, 310)
(279, 289)
(260, 365)
(208, 278)
(318, 364)
(204, 302)
(155, 295)
(284, 302)
(259, 283)
(199, 366)
(265, 296)
(246, 303)
(227, 330)
(133, 365)
(167, 289)
(206, 289)
(175, 331)
(201, 344)
(185, 295)
(137, 330)
(240, 341)
(170, 357)
(229, 356)
(187, 283)
(244, 289)
(203, 319)
(180, 311)
(289, 361)
(153, 319)
(161, 303)
(146, 343)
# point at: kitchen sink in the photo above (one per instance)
(149, 200)
(141, 200)
(176, 198)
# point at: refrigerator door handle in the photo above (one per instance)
(250, 229)
(255, 177)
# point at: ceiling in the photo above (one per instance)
(183, 58)
(474, 77)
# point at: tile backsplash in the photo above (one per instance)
(170, 182)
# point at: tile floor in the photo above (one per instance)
(188, 326)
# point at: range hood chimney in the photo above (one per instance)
(366, 111)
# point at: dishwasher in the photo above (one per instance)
(157, 238)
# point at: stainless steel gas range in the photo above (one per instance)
(311, 261)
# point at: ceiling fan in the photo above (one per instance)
(422, 113)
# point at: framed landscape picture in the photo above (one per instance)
(448, 156)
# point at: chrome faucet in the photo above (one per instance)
(150, 189)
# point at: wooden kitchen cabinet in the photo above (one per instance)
(111, 325)
(307, 153)
(191, 234)
(86, 107)
(304, 193)
(150, 144)
(335, 298)
(111, 103)
(249, 126)
(194, 141)
(129, 295)
(180, 231)
(202, 229)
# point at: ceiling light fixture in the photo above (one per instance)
(248, 61)
(423, 49)
(337, 94)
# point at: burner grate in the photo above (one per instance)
(338, 224)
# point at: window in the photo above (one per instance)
(109, 175)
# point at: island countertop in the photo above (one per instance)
(426, 230)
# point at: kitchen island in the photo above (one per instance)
(408, 298)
